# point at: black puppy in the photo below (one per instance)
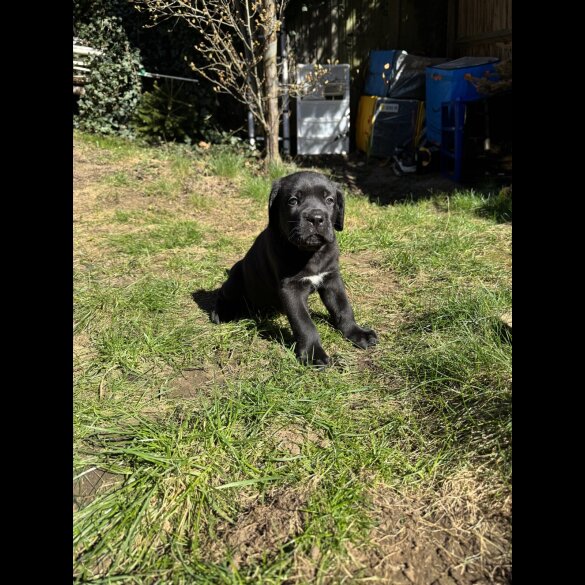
(294, 256)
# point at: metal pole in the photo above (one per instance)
(285, 97)
(161, 76)
(251, 134)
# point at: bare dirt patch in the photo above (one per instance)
(194, 383)
(86, 169)
(371, 286)
(292, 439)
(264, 526)
(375, 280)
(239, 217)
(82, 347)
(90, 484)
(458, 536)
(88, 174)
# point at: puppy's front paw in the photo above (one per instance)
(362, 337)
(312, 355)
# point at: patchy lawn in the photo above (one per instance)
(207, 454)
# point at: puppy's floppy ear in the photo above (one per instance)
(272, 206)
(339, 208)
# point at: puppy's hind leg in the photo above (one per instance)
(230, 304)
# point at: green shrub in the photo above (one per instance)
(114, 86)
(175, 111)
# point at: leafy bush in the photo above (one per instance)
(119, 101)
(114, 86)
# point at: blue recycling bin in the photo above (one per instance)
(446, 83)
(379, 63)
(452, 136)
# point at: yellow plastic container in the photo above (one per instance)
(364, 120)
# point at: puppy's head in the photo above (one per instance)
(306, 208)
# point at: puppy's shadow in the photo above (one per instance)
(263, 322)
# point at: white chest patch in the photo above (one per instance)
(316, 280)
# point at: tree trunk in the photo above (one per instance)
(271, 85)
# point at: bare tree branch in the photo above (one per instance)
(236, 40)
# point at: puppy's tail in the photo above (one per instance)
(224, 310)
(217, 314)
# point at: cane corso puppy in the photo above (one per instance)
(294, 256)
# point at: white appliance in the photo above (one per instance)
(323, 112)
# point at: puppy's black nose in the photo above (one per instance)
(315, 217)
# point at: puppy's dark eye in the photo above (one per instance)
(293, 201)
(330, 200)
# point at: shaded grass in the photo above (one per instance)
(499, 207)
(496, 206)
(456, 362)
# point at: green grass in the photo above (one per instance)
(225, 163)
(257, 188)
(194, 473)
(162, 187)
(496, 206)
(108, 148)
(446, 246)
(499, 207)
(280, 169)
(139, 217)
(118, 179)
(169, 235)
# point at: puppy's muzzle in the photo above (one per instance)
(315, 217)
(315, 222)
